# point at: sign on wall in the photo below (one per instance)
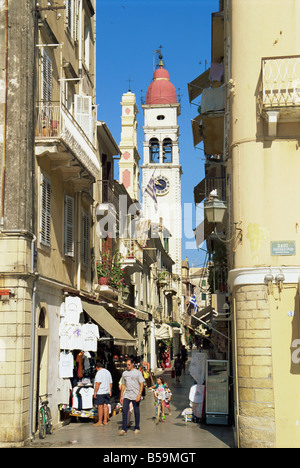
(283, 248)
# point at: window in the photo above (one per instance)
(83, 114)
(45, 226)
(87, 36)
(69, 226)
(167, 150)
(154, 150)
(70, 16)
(85, 238)
(160, 117)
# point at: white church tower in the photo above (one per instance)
(161, 159)
(129, 161)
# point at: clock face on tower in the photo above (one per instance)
(162, 185)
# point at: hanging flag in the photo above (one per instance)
(193, 301)
(151, 190)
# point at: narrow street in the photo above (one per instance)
(174, 432)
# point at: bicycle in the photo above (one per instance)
(45, 418)
(158, 409)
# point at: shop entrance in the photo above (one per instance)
(42, 359)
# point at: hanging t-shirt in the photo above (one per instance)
(66, 365)
(65, 333)
(90, 335)
(87, 394)
(76, 337)
(73, 308)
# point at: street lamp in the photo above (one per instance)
(214, 208)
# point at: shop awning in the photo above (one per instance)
(131, 311)
(196, 86)
(106, 321)
(199, 192)
(165, 332)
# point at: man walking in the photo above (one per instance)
(131, 391)
(102, 393)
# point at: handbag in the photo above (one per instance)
(172, 374)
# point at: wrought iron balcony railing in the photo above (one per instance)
(54, 121)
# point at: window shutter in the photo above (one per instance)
(46, 85)
(83, 114)
(76, 21)
(85, 238)
(69, 226)
(69, 16)
(45, 211)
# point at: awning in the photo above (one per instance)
(196, 86)
(126, 309)
(197, 130)
(106, 321)
(199, 192)
(165, 332)
(202, 231)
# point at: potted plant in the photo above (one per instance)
(116, 273)
(102, 268)
(162, 277)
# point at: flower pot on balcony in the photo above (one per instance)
(102, 281)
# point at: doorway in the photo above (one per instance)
(42, 359)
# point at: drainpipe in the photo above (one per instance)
(5, 117)
(33, 339)
(80, 44)
(79, 222)
(32, 359)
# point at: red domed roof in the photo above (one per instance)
(161, 90)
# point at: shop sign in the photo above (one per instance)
(123, 315)
(283, 248)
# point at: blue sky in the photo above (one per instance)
(128, 32)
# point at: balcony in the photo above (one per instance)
(171, 287)
(59, 135)
(207, 185)
(109, 199)
(280, 90)
(132, 254)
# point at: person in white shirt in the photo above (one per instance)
(102, 393)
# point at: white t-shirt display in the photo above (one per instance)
(66, 365)
(104, 377)
(65, 333)
(76, 341)
(87, 394)
(73, 309)
(90, 334)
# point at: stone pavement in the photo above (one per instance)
(174, 432)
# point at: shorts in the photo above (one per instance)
(102, 399)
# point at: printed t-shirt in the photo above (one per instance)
(90, 334)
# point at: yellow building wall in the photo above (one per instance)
(264, 176)
(285, 331)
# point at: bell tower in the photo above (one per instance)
(129, 161)
(161, 159)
